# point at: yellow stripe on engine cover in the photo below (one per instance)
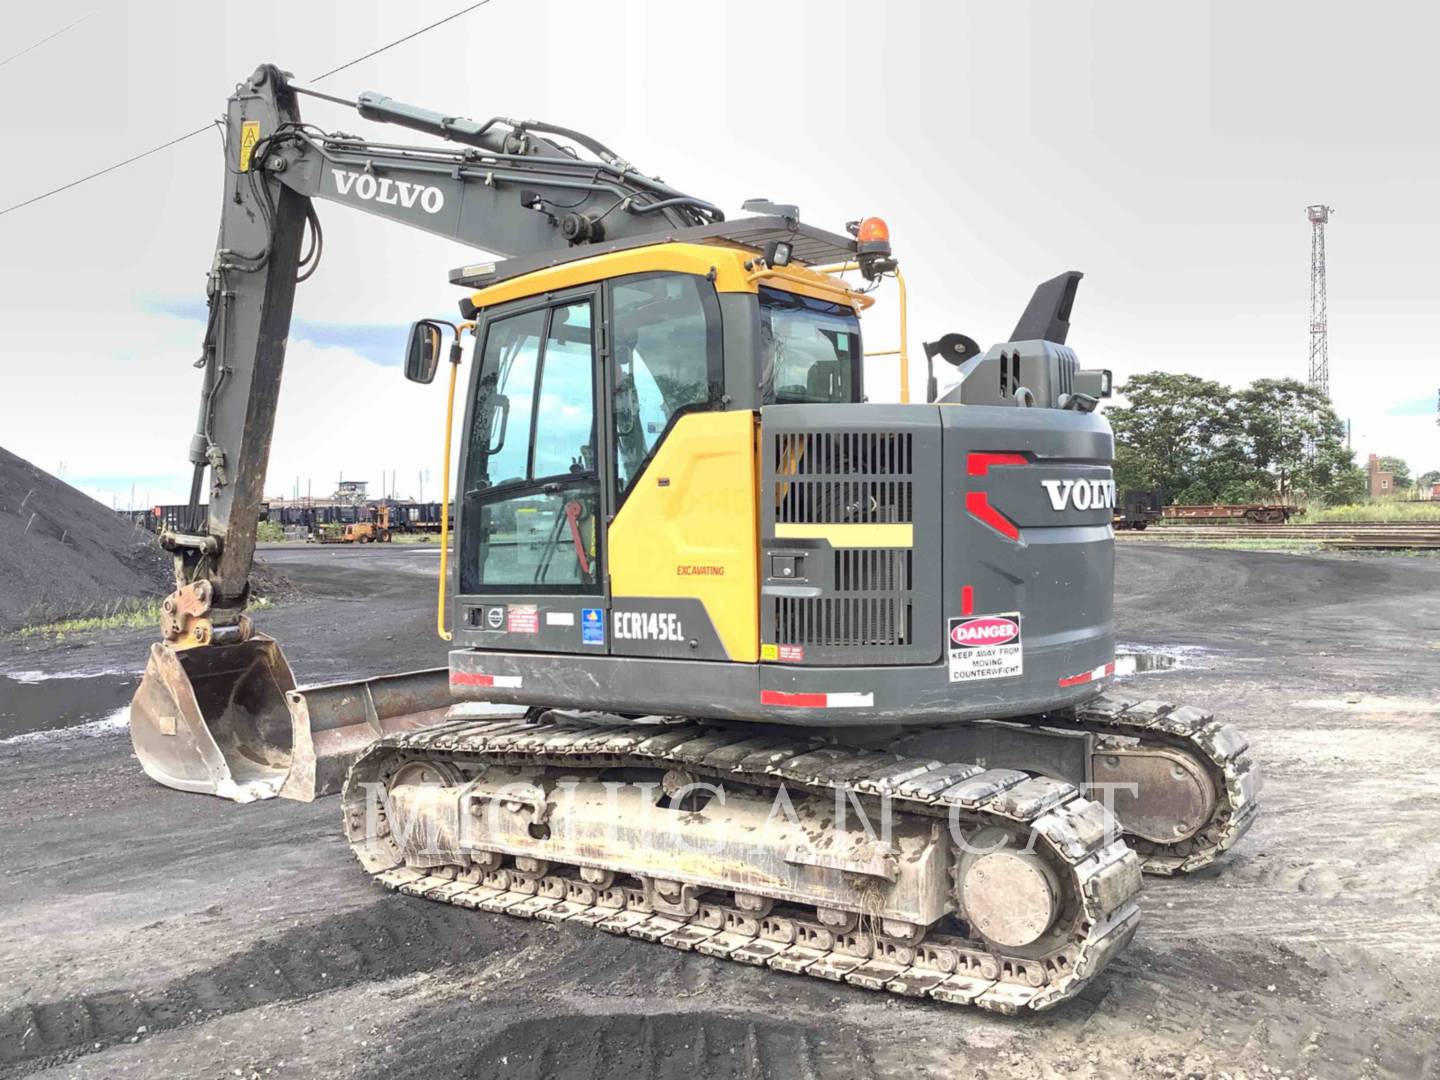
(850, 536)
(689, 527)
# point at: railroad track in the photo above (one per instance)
(1351, 535)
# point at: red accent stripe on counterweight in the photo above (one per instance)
(978, 503)
(967, 600)
(470, 678)
(797, 701)
(978, 463)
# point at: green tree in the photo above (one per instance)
(1169, 426)
(1202, 442)
(1399, 468)
(1347, 484)
(1292, 435)
(1429, 479)
(1130, 469)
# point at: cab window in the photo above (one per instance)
(531, 510)
(666, 361)
(810, 349)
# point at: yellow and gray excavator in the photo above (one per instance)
(741, 662)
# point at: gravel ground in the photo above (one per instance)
(149, 933)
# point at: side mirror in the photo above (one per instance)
(422, 354)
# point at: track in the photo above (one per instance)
(949, 960)
(1357, 535)
(1221, 749)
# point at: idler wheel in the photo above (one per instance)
(1010, 897)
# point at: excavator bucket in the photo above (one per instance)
(228, 720)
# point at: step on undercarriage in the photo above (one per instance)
(932, 879)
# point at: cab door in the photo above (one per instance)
(682, 535)
(531, 553)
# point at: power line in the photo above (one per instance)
(202, 130)
(401, 41)
(110, 168)
(42, 41)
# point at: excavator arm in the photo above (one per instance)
(510, 188)
(217, 710)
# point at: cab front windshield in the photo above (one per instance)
(810, 349)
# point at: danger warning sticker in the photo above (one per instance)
(522, 619)
(985, 647)
(785, 654)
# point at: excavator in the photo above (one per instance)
(741, 661)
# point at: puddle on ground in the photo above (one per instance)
(1144, 659)
(35, 704)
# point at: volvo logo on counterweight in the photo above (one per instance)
(382, 189)
(1080, 494)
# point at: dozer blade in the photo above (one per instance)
(332, 724)
(228, 720)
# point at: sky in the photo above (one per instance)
(1167, 151)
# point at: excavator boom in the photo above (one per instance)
(502, 194)
(218, 710)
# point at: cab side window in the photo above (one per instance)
(505, 399)
(810, 349)
(532, 505)
(666, 360)
(565, 419)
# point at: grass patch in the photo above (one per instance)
(1376, 511)
(123, 615)
(1294, 547)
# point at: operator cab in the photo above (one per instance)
(621, 375)
(583, 371)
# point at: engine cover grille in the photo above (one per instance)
(840, 513)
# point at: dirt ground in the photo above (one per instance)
(148, 933)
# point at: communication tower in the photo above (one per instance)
(1319, 340)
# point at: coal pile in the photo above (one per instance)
(64, 555)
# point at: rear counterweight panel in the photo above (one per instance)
(1027, 504)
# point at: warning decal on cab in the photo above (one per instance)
(985, 647)
(522, 619)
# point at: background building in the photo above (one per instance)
(1382, 481)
